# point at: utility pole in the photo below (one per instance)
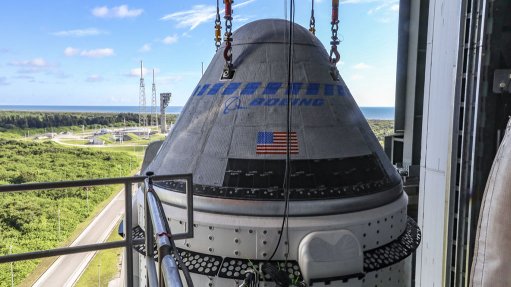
(12, 268)
(142, 115)
(87, 189)
(58, 215)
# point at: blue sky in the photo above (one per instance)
(87, 52)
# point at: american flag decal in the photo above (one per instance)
(276, 143)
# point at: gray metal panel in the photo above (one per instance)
(150, 153)
(204, 172)
(334, 142)
(272, 31)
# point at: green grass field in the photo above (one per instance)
(29, 220)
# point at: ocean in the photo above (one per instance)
(371, 113)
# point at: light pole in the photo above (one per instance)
(87, 189)
(12, 268)
(58, 215)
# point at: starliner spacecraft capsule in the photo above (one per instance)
(347, 222)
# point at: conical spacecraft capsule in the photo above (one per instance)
(348, 224)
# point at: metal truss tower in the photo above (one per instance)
(154, 111)
(142, 113)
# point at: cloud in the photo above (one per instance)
(356, 77)
(192, 18)
(388, 7)
(35, 65)
(59, 74)
(3, 81)
(170, 39)
(135, 72)
(243, 18)
(98, 53)
(94, 53)
(362, 66)
(4, 51)
(197, 15)
(70, 51)
(363, 1)
(24, 77)
(79, 32)
(116, 12)
(170, 79)
(145, 48)
(30, 79)
(94, 78)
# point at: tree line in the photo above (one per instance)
(26, 120)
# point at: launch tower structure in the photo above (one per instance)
(154, 111)
(164, 103)
(142, 113)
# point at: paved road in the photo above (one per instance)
(58, 140)
(68, 268)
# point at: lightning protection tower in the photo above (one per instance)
(142, 114)
(154, 112)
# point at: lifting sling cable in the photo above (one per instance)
(228, 34)
(218, 27)
(312, 23)
(334, 53)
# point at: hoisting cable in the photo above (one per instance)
(334, 53)
(312, 23)
(218, 27)
(228, 39)
(280, 277)
(289, 111)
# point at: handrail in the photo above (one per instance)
(157, 225)
(128, 243)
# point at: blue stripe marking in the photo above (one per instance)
(203, 90)
(312, 89)
(231, 88)
(341, 90)
(215, 88)
(272, 88)
(250, 88)
(329, 90)
(195, 91)
(295, 88)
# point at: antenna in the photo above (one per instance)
(154, 112)
(142, 113)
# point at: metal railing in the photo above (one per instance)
(157, 228)
(128, 243)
